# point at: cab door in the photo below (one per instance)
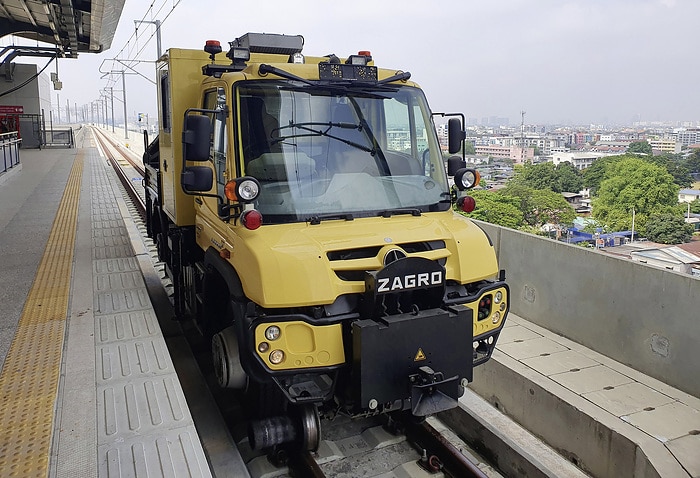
(212, 230)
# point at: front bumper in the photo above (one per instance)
(410, 358)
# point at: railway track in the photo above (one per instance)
(373, 447)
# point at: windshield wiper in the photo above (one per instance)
(264, 69)
(382, 165)
(403, 76)
(392, 212)
(322, 217)
(310, 131)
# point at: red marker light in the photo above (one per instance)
(466, 203)
(364, 53)
(251, 219)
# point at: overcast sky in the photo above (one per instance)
(575, 61)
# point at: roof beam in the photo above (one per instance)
(5, 12)
(28, 12)
(69, 19)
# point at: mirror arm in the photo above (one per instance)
(224, 211)
(464, 132)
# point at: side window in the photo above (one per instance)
(216, 100)
(407, 133)
(164, 101)
(398, 128)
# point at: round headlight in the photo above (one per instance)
(272, 333)
(498, 297)
(276, 357)
(496, 317)
(263, 347)
(247, 189)
(466, 178)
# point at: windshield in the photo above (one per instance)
(328, 152)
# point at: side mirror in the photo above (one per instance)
(454, 164)
(197, 179)
(196, 138)
(455, 135)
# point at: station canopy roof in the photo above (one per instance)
(74, 26)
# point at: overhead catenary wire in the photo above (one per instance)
(129, 58)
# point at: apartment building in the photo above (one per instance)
(665, 145)
(580, 160)
(688, 136)
(514, 153)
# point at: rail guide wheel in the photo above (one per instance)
(301, 429)
(227, 361)
(311, 427)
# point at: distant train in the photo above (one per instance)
(302, 209)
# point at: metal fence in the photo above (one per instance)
(61, 137)
(35, 133)
(9, 142)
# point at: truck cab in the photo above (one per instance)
(303, 211)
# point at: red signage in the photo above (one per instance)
(8, 109)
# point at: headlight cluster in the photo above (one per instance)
(292, 344)
(492, 305)
(272, 333)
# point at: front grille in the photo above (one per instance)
(361, 254)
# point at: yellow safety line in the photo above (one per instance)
(30, 374)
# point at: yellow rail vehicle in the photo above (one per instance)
(302, 208)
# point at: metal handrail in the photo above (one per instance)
(9, 142)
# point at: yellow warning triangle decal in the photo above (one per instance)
(419, 355)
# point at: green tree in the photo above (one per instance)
(668, 228)
(568, 178)
(633, 183)
(640, 147)
(535, 176)
(496, 208)
(676, 168)
(693, 162)
(560, 178)
(540, 206)
(695, 206)
(594, 174)
(469, 148)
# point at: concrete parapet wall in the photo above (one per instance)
(642, 316)
(591, 438)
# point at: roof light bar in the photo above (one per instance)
(272, 43)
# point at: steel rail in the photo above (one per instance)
(452, 461)
(117, 147)
(304, 466)
(121, 174)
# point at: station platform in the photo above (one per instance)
(87, 386)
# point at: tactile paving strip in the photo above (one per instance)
(30, 375)
(144, 427)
